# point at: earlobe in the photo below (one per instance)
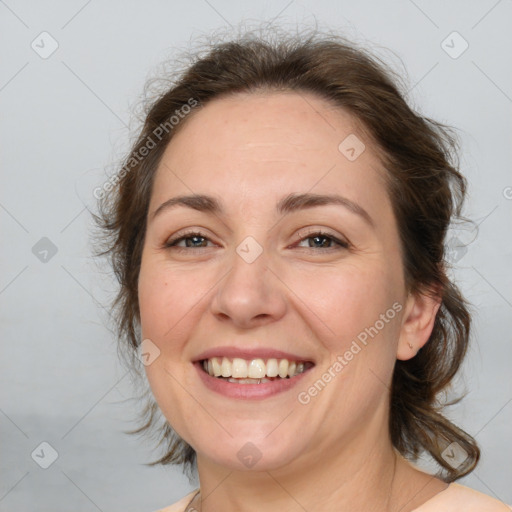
(417, 324)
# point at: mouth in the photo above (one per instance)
(253, 371)
(251, 378)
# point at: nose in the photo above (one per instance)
(250, 295)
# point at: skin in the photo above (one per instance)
(249, 151)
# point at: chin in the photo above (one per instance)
(249, 453)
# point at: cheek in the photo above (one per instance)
(153, 290)
(167, 297)
(347, 300)
(166, 313)
(357, 323)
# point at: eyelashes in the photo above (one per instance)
(173, 242)
(317, 236)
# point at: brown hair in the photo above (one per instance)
(424, 185)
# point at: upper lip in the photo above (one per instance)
(249, 354)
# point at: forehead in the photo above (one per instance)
(269, 144)
(275, 123)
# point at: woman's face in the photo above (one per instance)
(256, 282)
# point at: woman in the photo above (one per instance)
(278, 233)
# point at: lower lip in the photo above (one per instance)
(247, 391)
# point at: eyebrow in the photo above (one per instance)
(286, 205)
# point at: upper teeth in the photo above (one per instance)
(253, 369)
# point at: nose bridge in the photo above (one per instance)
(249, 293)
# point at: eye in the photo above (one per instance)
(193, 239)
(317, 240)
(322, 240)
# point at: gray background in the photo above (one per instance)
(64, 123)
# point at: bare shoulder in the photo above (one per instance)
(457, 497)
(180, 505)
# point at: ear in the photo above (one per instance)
(417, 322)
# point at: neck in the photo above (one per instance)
(359, 476)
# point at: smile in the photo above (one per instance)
(249, 374)
(253, 371)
